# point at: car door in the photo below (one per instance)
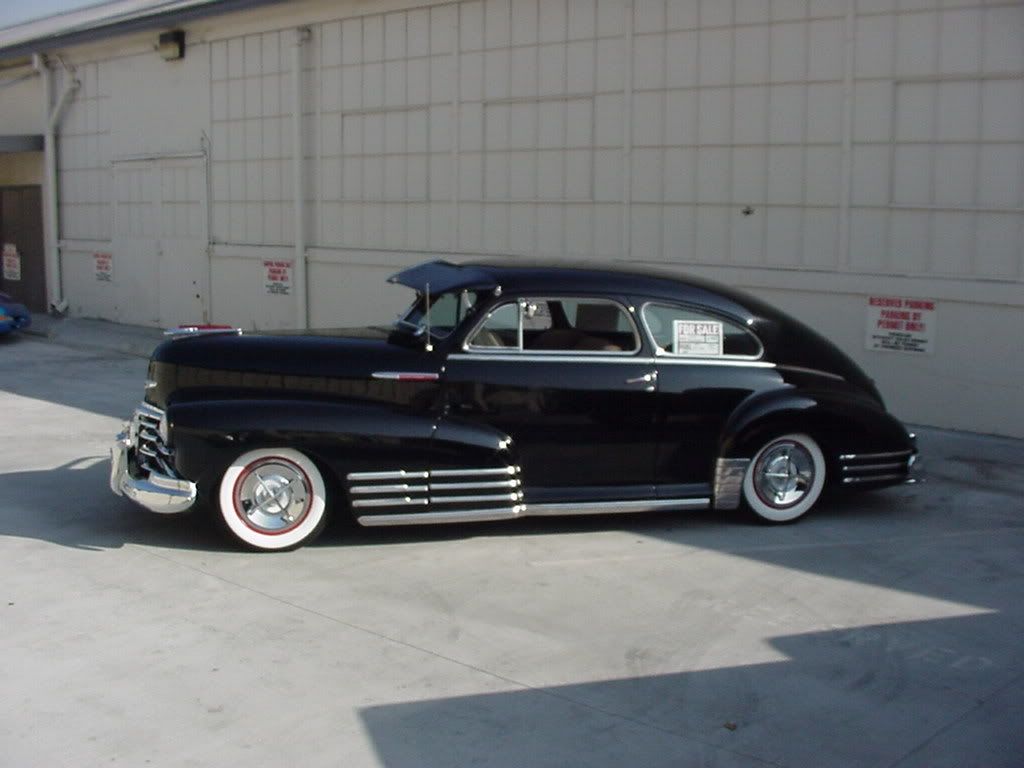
(564, 378)
(707, 364)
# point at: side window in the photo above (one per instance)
(558, 325)
(688, 332)
(499, 329)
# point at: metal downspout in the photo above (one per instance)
(302, 35)
(54, 282)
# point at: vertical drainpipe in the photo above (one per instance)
(52, 114)
(302, 36)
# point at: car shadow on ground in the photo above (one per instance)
(72, 505)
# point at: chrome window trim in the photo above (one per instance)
(519, 352)
(662, 354)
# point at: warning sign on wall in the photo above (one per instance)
(104, 266)
(900, 324)
(278, 277)
(12, 262)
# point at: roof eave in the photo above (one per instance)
(102, 29)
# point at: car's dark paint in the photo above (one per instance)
(579, 427)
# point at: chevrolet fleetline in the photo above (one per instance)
(509, 390)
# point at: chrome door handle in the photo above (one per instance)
(647, 378)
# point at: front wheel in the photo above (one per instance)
(273, 499)
(785, 478)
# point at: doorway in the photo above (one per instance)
(21, 239)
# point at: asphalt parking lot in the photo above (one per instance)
(884, 630)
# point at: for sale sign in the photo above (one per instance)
(278, 277)
(12, 262)
(697, 338)
(900, 324)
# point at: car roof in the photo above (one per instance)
(637, 281)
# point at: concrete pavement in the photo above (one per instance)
(883, 630)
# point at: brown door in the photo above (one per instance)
(21, 235)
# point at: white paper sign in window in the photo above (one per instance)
(697, 338)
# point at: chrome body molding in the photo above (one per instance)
(494, 489)
(613, 507)
(405, 376)
(872, 456)
(429, 518)
(729, 482)
(477, 515)
(602, 357)
(886, 467)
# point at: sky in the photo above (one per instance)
(16, 11)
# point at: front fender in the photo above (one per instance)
(208, 435)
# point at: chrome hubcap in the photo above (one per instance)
(273, 495)
(784, 474)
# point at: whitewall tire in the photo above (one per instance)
(273, 499)
(785, 478)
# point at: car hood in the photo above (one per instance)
(293, 363)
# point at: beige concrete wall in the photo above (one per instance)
(21, 103)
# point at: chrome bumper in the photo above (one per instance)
(156, 492)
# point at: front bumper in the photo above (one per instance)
(153, 490)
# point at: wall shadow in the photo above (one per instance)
(869, 696)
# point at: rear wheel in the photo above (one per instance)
(785, 478)
(273, 499)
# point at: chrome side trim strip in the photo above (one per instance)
(403, 488)
(866, 456)
(474, 472)
(874, 467)
(464, 499)
(613, 507)
(729, 474)
(426, 518)
(872, 479)
(405, 501)
(471, 486)
(405, 376)
(605, 357)
(400, 474)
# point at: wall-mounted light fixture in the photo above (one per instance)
(172, 45)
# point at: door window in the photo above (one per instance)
(689, 332)
(558, 325)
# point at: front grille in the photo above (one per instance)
(151, 454)
(478, 489)
(859, 468)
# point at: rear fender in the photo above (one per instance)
(839, 422)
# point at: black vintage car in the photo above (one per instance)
(509, 390)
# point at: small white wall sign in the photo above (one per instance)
(12, 262)
(278, 277)
(900, 324)
(103, 264)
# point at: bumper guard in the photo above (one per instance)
(157, 493)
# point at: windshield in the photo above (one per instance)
(447, 311)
